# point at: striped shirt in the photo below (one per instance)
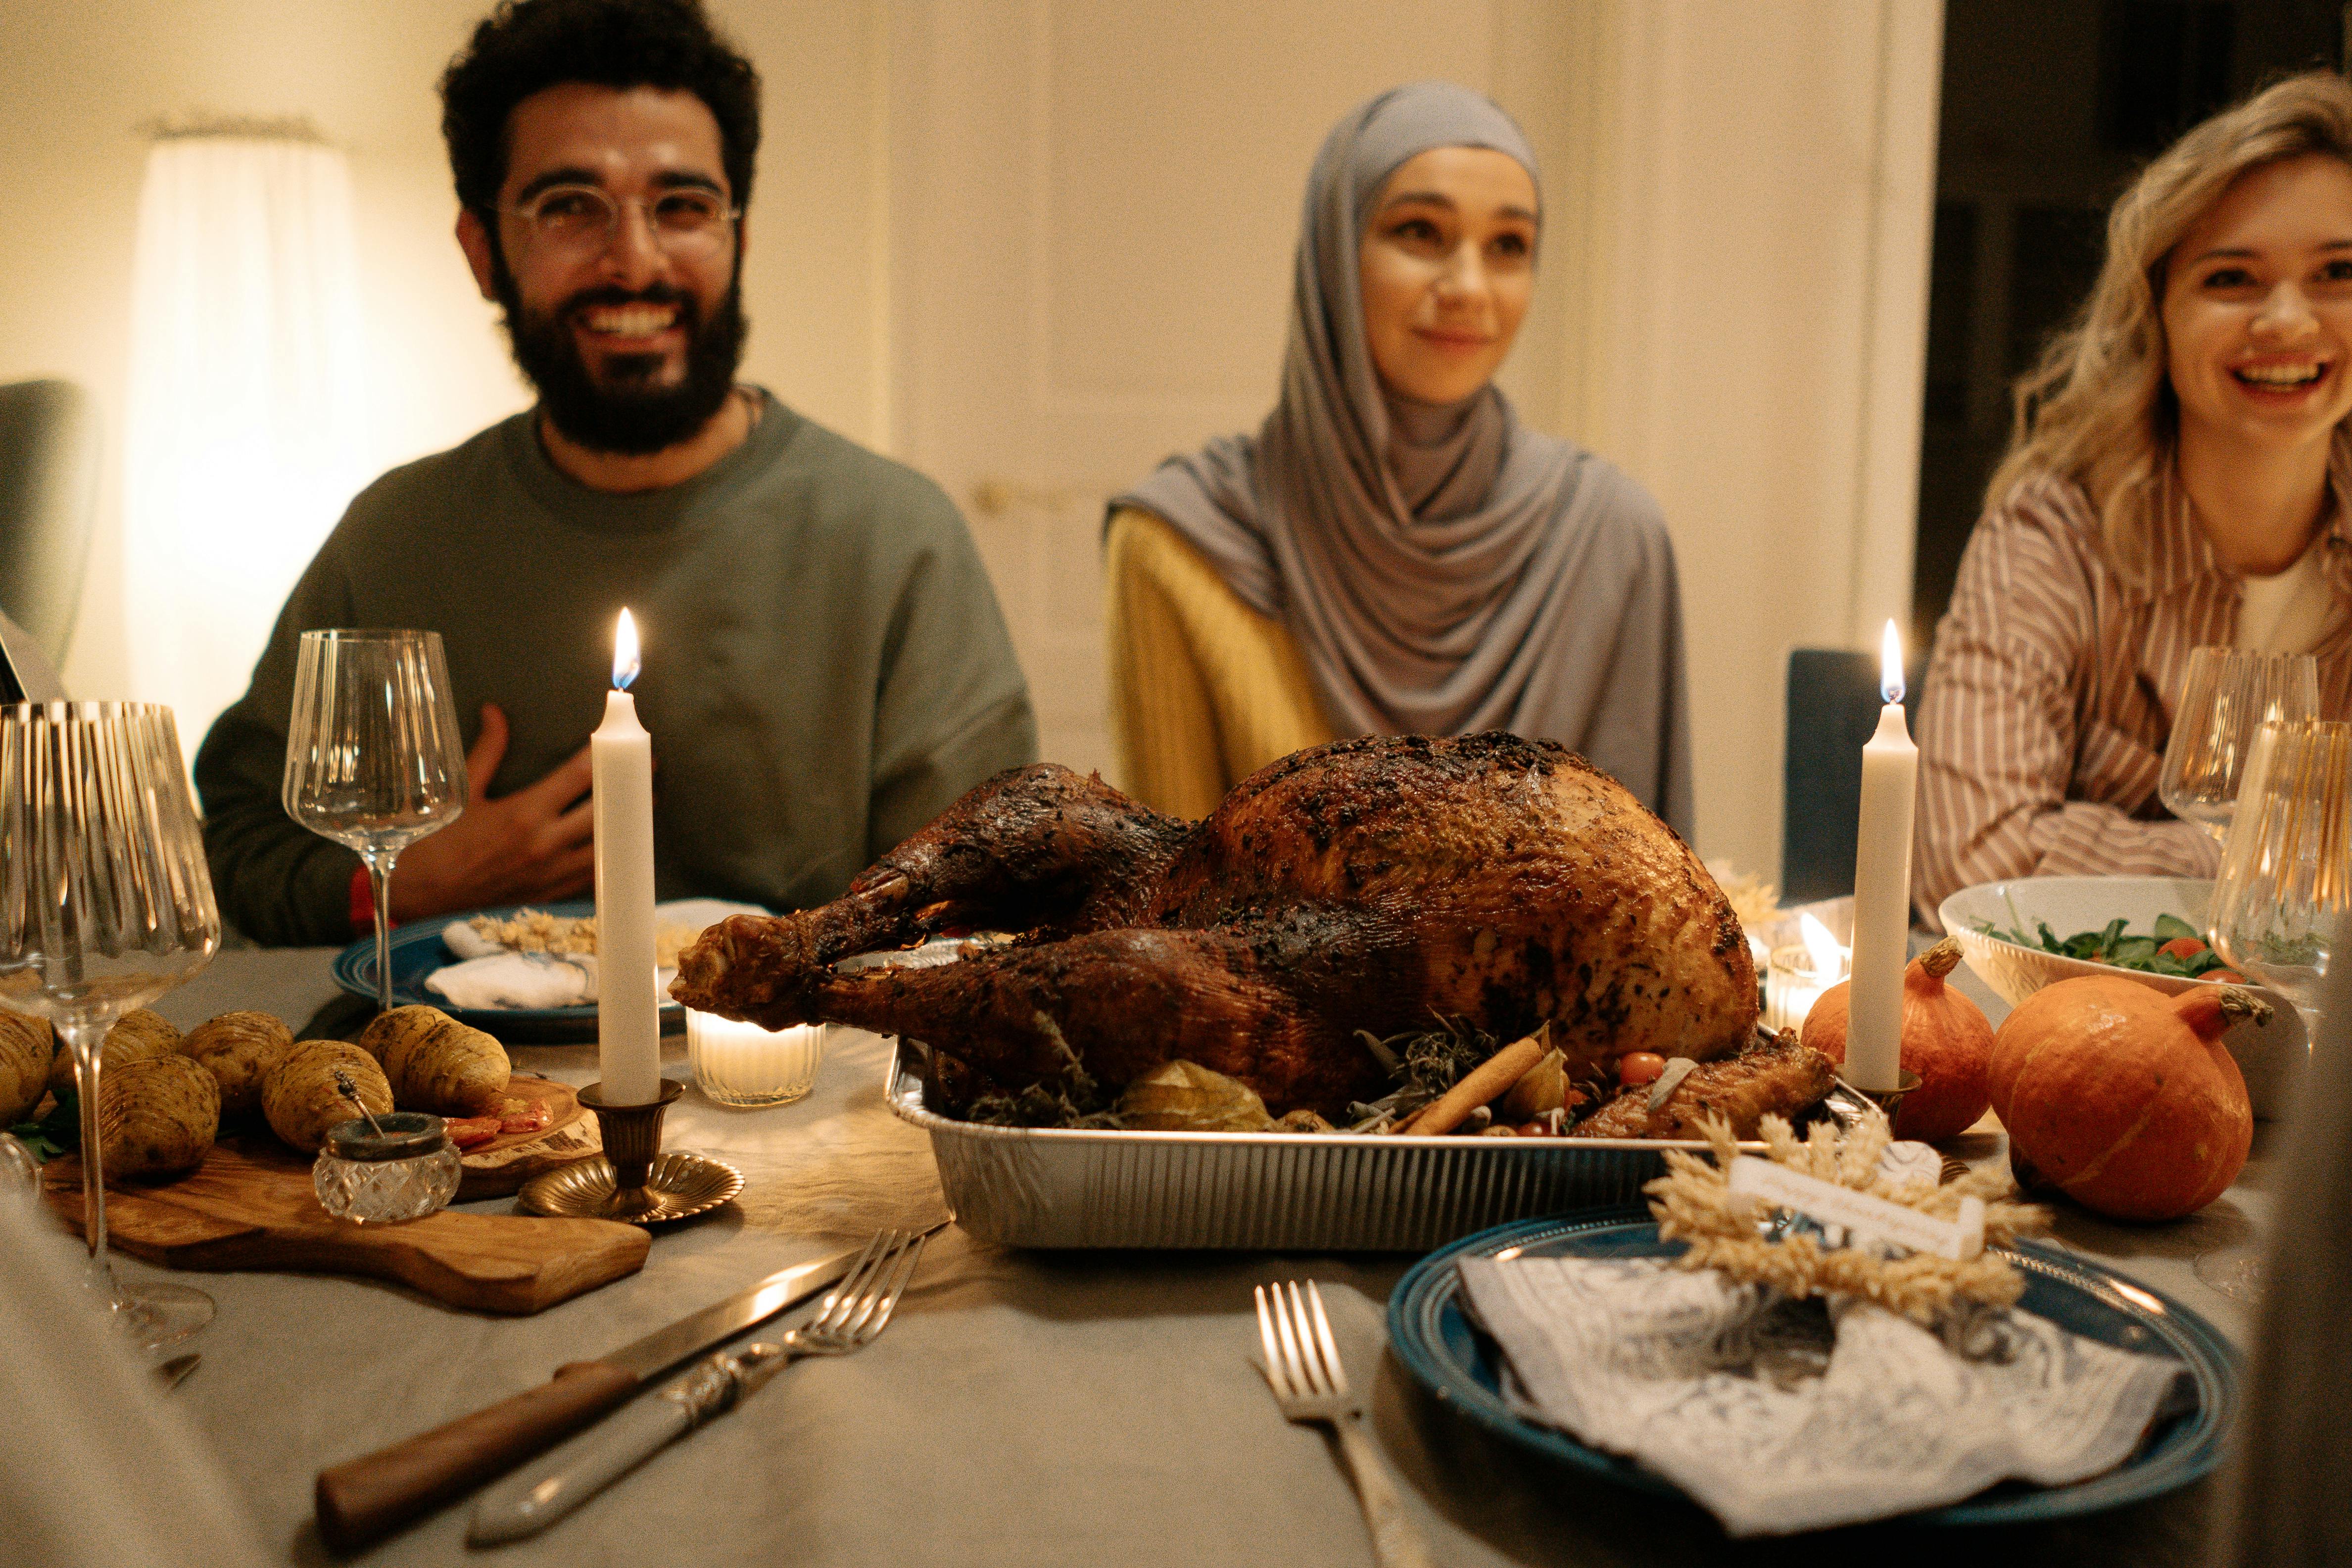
(2051, 693)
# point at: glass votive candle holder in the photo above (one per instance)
(1793, 982)
(741, 1064)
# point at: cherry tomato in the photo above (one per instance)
(2227, 977)
(1639, 1067)
(2182, 947)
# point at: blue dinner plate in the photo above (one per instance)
(1462, 1367)
(417, 950)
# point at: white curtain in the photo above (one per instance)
(244, 425)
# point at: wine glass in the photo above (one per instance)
(373, 755)
(2228, 694)
(105, 905)
(2286, 866)
(2286, 881)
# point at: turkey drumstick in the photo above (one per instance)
(1035, 848)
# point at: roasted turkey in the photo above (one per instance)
(1371, 886)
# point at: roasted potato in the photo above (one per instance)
(27, 1048)
(136, 1035)
(299, 1096)
(239, 1049)
(435, 1063)
(154, 1114)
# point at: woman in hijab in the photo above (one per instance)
(1394, 552)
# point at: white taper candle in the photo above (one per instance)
(1882, 888)
(629, 999)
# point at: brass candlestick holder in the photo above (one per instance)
(1887, 1099)
(633, 1180)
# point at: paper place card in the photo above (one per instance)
(1829, 1203)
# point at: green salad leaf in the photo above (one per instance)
(2113, 943)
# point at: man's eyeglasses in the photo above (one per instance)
(684, 221)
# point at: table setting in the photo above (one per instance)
(1112, 1333)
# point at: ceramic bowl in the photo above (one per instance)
(2271, 1056)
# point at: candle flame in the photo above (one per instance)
(1890, 665)
(1827, 954)
(625, 663)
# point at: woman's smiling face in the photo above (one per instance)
(2258, 308)
(1447, 268)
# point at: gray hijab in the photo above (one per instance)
(1428, 559)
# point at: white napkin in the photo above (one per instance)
(505, 980)
(1779, 1418)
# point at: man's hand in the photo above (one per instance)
(534, 846)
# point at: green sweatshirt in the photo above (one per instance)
(825, 667)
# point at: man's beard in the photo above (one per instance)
(627, 413)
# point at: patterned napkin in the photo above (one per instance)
(1780, 1416)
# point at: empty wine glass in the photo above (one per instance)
(373, 755)
(2286, 866)
(2286, 882)
(105, 905)
(2228, 694)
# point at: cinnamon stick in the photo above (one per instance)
(1489, 1080)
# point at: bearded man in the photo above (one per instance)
(825, 668)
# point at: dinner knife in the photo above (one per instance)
(528, 1502)
(363, 1499)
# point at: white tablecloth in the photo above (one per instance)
(1094, 1409)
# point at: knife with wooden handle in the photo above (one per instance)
(363, 1499)
(529, 1501)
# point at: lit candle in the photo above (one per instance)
(1882, 887)
(742, 1064)
(628, 999)
(1799, 975)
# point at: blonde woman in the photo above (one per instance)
(2176, 479)
(1392, 552)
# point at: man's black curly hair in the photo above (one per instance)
(525, 47)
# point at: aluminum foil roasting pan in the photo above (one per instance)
(1051, 1186)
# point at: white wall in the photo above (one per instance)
(1749, 336)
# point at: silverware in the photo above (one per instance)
(175, 1372)
(848, 1320)
(1302, 1367)
(364, 1499)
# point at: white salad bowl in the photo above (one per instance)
(2271, 1057)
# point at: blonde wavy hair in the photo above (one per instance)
(2099, 409)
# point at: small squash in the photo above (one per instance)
(1947, 1041)
(2123, 1098)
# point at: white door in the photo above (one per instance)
(1094, 205)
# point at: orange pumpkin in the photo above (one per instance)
(1947, 1041)
(2123, 1098)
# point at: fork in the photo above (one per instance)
(1302, 1367)
(849, 1318)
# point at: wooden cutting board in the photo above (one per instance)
(500, 1168)
(251, 1205)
